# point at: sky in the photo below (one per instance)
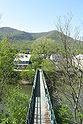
(38, 15)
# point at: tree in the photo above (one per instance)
(7, 54)
(41, 50)
(70, 82)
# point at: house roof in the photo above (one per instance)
(22, 57)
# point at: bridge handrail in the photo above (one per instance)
(31, 101)
(52, 116)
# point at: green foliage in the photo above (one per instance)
(16, 102)
(65, 114)
(23, 47)
(41, 50)
(48, 66)
(7, 54)
(28, 75)
(44, 46)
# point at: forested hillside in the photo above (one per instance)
(18, 35)
(23, 40)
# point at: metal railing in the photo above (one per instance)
(31, 109)
(51, 112)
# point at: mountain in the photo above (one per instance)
(14, 34)
(17, 35)
(23, 40)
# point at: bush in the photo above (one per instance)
(16, 102)
(65, 114)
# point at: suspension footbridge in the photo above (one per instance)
(40, 108)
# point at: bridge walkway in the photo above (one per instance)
(40, 108)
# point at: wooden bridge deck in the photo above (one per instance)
(41, 114)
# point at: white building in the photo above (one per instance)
(55, 57)
(78, 61)
(22, 60)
